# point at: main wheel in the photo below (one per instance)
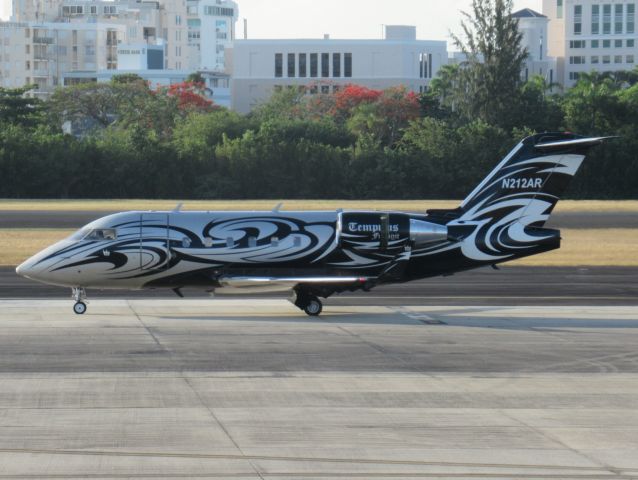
(313, 307)
(79, 308)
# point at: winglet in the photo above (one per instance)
(572, 143)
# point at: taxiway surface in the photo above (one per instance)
(255, 389)
(485, 286)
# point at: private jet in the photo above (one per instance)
(316, 254)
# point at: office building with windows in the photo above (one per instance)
(588, 35)
(211, 30)
(40, 53)
(84, 35)
(534, 28)
(323, 66)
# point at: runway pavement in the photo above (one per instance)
(76, 219)
(485, 286)
(257, 390)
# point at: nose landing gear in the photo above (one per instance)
(79, 295)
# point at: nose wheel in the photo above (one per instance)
(79, 308)
(79, 295)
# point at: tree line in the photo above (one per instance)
(131, 140)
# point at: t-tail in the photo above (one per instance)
(504, 216)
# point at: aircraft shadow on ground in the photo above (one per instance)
(469, 317)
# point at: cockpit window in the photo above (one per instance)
(101, 234)
(94, 234)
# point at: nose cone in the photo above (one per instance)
(25, 268)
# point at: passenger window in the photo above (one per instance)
(274, 242)
(252, 242)
(208, 242)
(186, 242)
(230, 243)
(297, 242)
(101, 234)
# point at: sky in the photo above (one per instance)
(345, 18)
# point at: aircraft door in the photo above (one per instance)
(154, 241)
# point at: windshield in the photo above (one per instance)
(94, 234)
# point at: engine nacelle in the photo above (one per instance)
(422, 232)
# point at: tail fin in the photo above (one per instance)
(528, 183)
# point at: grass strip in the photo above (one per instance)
(586, 247)
(598, 206)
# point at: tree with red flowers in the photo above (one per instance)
(190, 96)
(351, 96)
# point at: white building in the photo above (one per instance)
(211, 30)
(534, 27)
(260, 66)
(140, 56)
(588, 35)
(40, 53)
(191, 34)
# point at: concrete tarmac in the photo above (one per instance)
(256, 390)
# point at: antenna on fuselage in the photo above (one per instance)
(178, 207)
(278, 207)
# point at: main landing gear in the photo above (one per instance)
(79, 295)
(308, 302)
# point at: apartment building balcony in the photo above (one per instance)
(43, 40)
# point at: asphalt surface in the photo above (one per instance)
(254, 389)
(485, 286)
(77, 219)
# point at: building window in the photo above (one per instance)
(279, 65)
(594, 59)
(314, 68)
(578, 60)
(347, 65)
(325, 89)
(631, 12)
(595, 19)
(302, 65)
(325, 65)
(630, 59)
(606, 59)
(578, 19)
(578, 44)
(617, 58)
(594, 44)
(606, 43)
(336, 64)
(219, 11)
(606, 19)
(573, 75)
(110, 10)
(93, 10)
(559, 8)
(618, 18)
(291, 65)
(423, 65)
(618, 43)
(630, 43)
